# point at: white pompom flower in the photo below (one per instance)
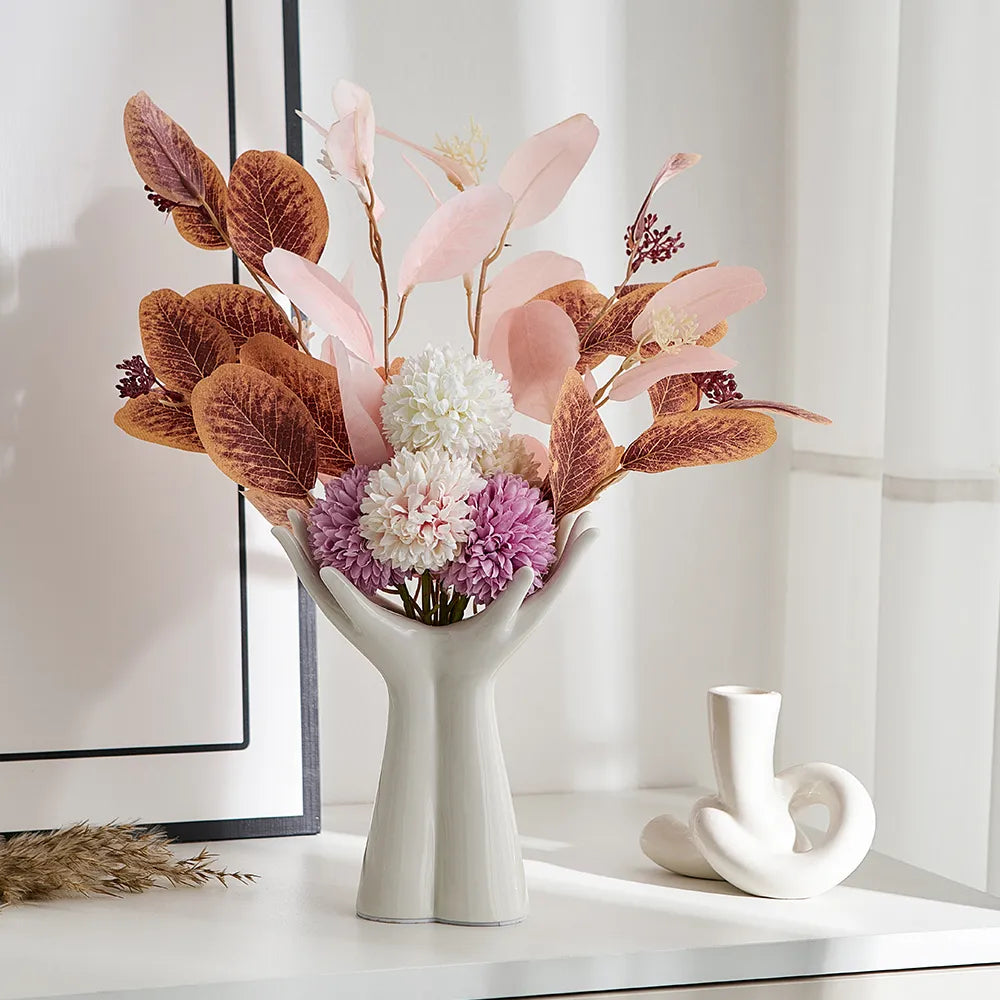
(447, 399)
(414, 513)
(511, 455)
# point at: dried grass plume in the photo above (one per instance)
(110, 860)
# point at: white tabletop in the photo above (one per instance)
(602, 918)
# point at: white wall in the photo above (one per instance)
(686, 587)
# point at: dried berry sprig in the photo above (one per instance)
(110, 860)
(718, 387)
(644, 243)
(162, 204)
(139, 379)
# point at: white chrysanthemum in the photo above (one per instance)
(512, 456)
(670, 331)
(414, 514)
(448, 399)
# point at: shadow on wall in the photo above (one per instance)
(89, 515)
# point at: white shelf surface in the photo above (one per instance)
(602, 918)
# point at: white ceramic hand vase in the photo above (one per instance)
(747, 834)
(443, 842)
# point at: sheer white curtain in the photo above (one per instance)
(893, 583)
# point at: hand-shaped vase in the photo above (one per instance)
(443, 843)
(747, 833)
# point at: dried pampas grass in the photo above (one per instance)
(109, 860)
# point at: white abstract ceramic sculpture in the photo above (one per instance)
(747, 834)
(443, 843)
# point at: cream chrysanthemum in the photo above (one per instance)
(414, 513)
(511, 455)
(670, 331)
(448, 399)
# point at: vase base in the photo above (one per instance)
(441, 920)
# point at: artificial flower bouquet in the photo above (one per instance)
(428, 498)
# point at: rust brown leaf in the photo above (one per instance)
(163, 153)
(613, 334)
(193, 222)
(275, 508)
(787, 409)
(149, 418)
(256, 430)
(676, 394)
(273, 202)
(583, 454)
(182, 343)
(705, 437)
(315, 383)
(713, 336)
(244, 312)
(579, 299)
(691, 270)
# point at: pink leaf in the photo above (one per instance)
(351, 100)
(541, 170)
(312, 122)
(685, 361)
(522, 280)
(533, 346)
(456, 238)
(323, 299)
(671, 168)
(768, 405)
(539, 452)
(420, 174)
(708, 295)
(361, 390)
(456, 172)
(342, 148)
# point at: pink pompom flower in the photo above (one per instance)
(512, 527)
(335, 536)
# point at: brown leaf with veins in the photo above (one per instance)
(273, 202)
(613, 334)
(193, 221)
(244, 312)
(182, 343)
(315, 383)
(787, 409)
(579, 299)
(149, 418)
(163, 153)
(256, 430)
(705, 437)
(676, 394)
(275, 508)
(582, 452)
(691, 270)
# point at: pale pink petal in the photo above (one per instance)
(708, 295)
(522, 280)
(350, 99)
(348, 279)
(541, 170)
(312, 121)
(456, 238)
(533, 346)
(327, 303)
(420, 174)
(539, 452)
(456, 171)
(674, 165)
(685, 361)
(341, 147)
(361, 390)
(589, 382)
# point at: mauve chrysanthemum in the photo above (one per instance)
(335, 535)
(512, 526)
